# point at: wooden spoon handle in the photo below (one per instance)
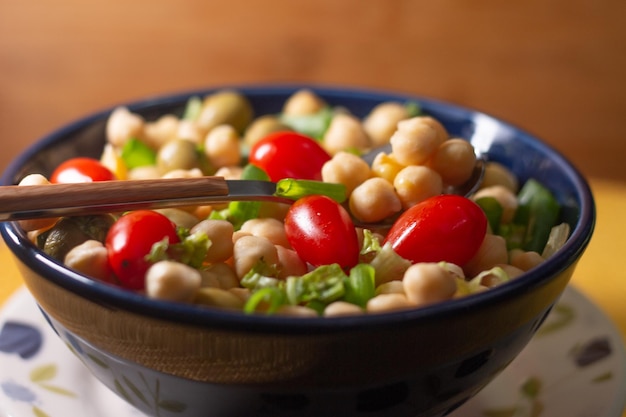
(37, 201)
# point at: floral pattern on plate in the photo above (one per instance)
(575, 366)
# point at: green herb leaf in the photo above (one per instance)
(273, 296)
(540, 212)
(136, 153)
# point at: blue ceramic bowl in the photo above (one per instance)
(182, 360)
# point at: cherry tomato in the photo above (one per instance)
(289, 155)
(130, 239)
(443, 228)
(81, 169)
(321, 231)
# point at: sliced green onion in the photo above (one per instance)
(270, 295)
(296, 189)
(193, 108)
(556, 240)
(313, 125)
(360, 285)
(324, 284)
(191, 250)
(371, 243)
(262, 275)
(475, 284)
(389, 266)
(136, 153)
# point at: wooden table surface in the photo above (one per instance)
(555, 68)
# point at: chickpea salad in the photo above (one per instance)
(307, 258)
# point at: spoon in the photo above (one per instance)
(57, 200)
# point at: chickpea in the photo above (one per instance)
(225, 107)
(345, 132)
(498, 174)
(242, 293)
(269, 228)
(221, 146)
(220, 233)
(248, 250)
(491, 252)
(454, 160)
(342, 308)
(290, 263)
(173, 281)
(391, 287)
(383, 120)
(217, 297)
(190, 131)
(144, 173)
(347, 169)
(442, 133)
(184, 173)
(504, 196)
(271, 209)
(229, 173)
(525, 260)
(383, 303)
(219, 275)
(414, 141)
(303, 102)
(179, 217)
(261, 127)
(386, 166)
(90, 258)
(123, 125)
(36, 224)
(374, 200)
(161, 131)
(416, 183)
(427, 283)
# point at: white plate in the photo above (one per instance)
(575, 367)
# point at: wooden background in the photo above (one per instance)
(553, 67)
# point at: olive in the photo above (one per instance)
(72, 231)
(225, 107)
(182, 154)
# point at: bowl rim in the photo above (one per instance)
(119, 298)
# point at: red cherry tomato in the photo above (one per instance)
(130, 239)
(289, 155)
(321, 231)
(443, 228)
(81, 170)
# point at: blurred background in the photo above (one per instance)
(553, 67)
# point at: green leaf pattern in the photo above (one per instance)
(531, 390)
